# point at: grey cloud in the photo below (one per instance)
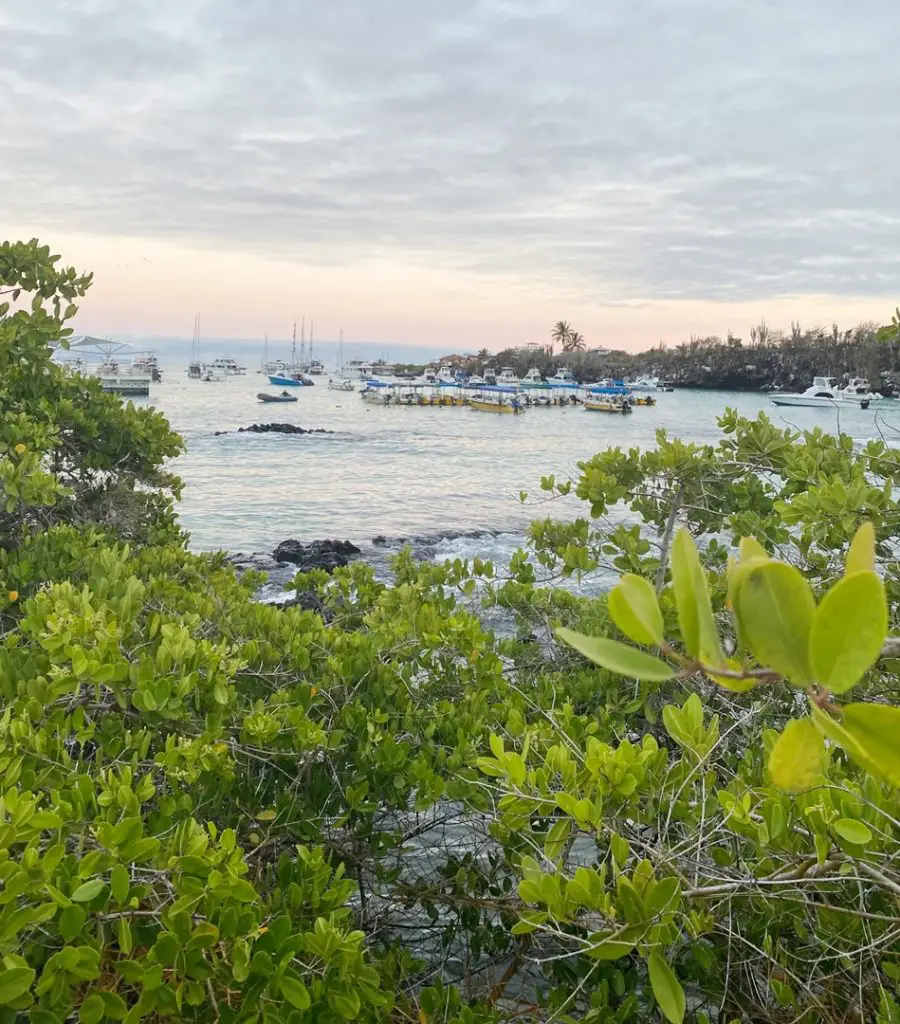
(731, 149)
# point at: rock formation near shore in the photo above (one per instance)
(276, 428)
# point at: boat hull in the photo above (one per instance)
(263, 397)
(496, 407)
(619, 408)
(285, 382)
(815, 402)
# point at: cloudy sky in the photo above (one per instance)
(461, 173)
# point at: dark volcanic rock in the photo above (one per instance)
(308, 601)
(380, 540)
(320, 554)
(276, 428)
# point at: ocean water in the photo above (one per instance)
(416, 472)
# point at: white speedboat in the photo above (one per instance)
(507, 377)
(476, 382)
(858, 390)
(643, 384)
(533, 378)
(823, 393)
(563, 376)
(228, 367)
(341, 385)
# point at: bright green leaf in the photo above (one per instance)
(617, 657)
(796, 761)
(853, 831)
(848, 631)
(294, 991)
(774, 607)
(14, 982)
(861, 556)
(88, 890)
(91, 1010)
(634, 608)
(666, 989)
(876, 730)
(695, 616)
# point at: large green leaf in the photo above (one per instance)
(88, 890)
(695, 615)
(14, 982)
(294, 991)
(774, 607)
(875, 728)
(618, 658)
(634, 608)
(853, 831)
(666, 989)
(861, 556)
(795, 763)
(848, 631)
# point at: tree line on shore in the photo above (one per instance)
(766, 359)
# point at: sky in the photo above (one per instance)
(462, 175)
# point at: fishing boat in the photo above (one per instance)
(498, 399)
(283, 397)
(563, 378)
(341, 385)
(476, 382)
(604, 403)
(823, 393)
(643, 400)
(533, 378)
(283, 381)
(507, 377)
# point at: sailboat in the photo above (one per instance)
(195, 367)
(341, 382)
(292, 376)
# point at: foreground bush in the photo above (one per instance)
(212, 809)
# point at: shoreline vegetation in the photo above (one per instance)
(767, 359)
(678, 801)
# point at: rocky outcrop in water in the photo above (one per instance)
(320, 554)
(276, 428)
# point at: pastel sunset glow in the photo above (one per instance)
(420, 173)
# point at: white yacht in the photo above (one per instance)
(228, 366)
(563, 376)
(116, 372)
(643, 384)
(507, 377)
(823, 392)
(533, 377)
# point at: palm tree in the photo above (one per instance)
(483, 355)
(561, 332)
(576, 342)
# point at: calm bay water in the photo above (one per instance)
(404, 472)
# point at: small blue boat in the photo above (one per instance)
(289, 382)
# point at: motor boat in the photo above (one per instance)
(533, 378)
(297, 380)
(563, 377)
(643, 384)
(341, 385)
(858, 390)
(476, 382)
(283, 397)
(507, 377)
(823, 393)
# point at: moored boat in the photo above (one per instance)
(283, 397)
(298, 380)
(607, 403)
(823, 393)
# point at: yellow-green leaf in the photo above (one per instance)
(634, 608)
(695, 616)
(853, 831)
(618, 658)
(861, 556)
(875, 728)
(774, 607)
(557, 838)
(795, 763)
(848, 631)
(294, 991)
(88, 890)
(666, 989)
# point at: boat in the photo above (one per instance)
(643, 400)
(148, 363)
(498, 399)
(316, 368)
(823, 393)
(507, 377)
(116, 370)
(344, 384)
(611, 403)
(563, 378)
(643, 384)
(476, 382)
(297, 380)
(533, 378)
(195, 367)
(212, 374)
(229, 367)
(858, 390)
(283, 397)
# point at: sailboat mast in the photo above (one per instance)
(294, 345)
